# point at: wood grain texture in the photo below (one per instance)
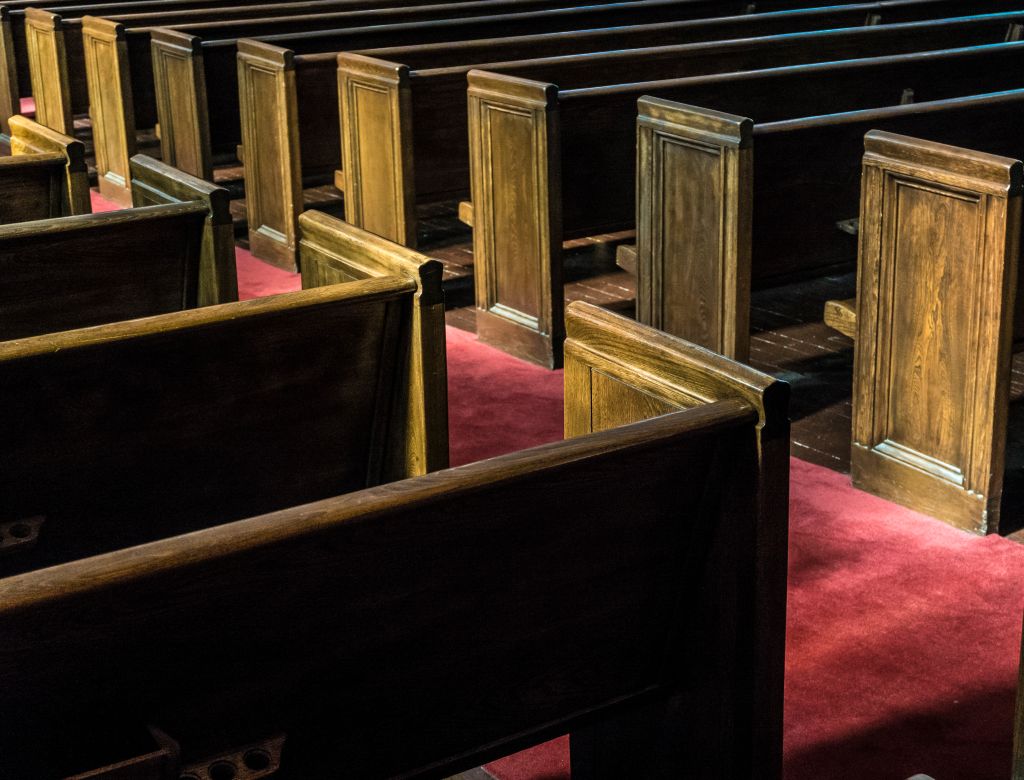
(29, 137)
(31, 186)
(377, 152)
(111, 106)
(47, 57)
(842, 316)
(334, 252)
(937, 279)
(694, 171)
(516, 190)
(155, 183)
(618, 371)
(269, 112)
(179, 82)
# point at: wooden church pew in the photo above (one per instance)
(430, 146)
(196, 131)
(935, 323)
(784, 190)
(422, 627)
(60, 45)
(578, 178)
(423, 113)
(117, 64)
(221, 412)
(15, 82)
(45, 177)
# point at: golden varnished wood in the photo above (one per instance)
(334, 252)
(937, 282)
(31, 138)
(154, 183)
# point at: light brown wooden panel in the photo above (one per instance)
(180, 85)
(47, 56)
(694, 186)
(517, 228)
(376, 144)
(29, 137)
(334, 252)
(270, 136)
(110, 106)
(937, 277)
(155, 183)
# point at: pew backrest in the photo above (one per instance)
(74, 272)
(137, 430)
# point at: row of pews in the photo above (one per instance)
(247, 549)
(229, 541)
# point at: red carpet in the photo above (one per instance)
(904, 633)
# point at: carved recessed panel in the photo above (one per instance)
(687, 241)
(614, 403)
(931, 267)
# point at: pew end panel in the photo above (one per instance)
(618, 371)
(694, 199)
(376, 147)
(936, 287)
(515, 179)
(180, 87)
(46, 39)
(155, 183)
(334, 252)
(111, 106)
(29, 137)
(76, 272)
(270, 136)
(413, 580)
(10, 93)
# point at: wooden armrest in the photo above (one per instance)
(842, 316)
(625, 257)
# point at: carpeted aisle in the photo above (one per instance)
(903, 635)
